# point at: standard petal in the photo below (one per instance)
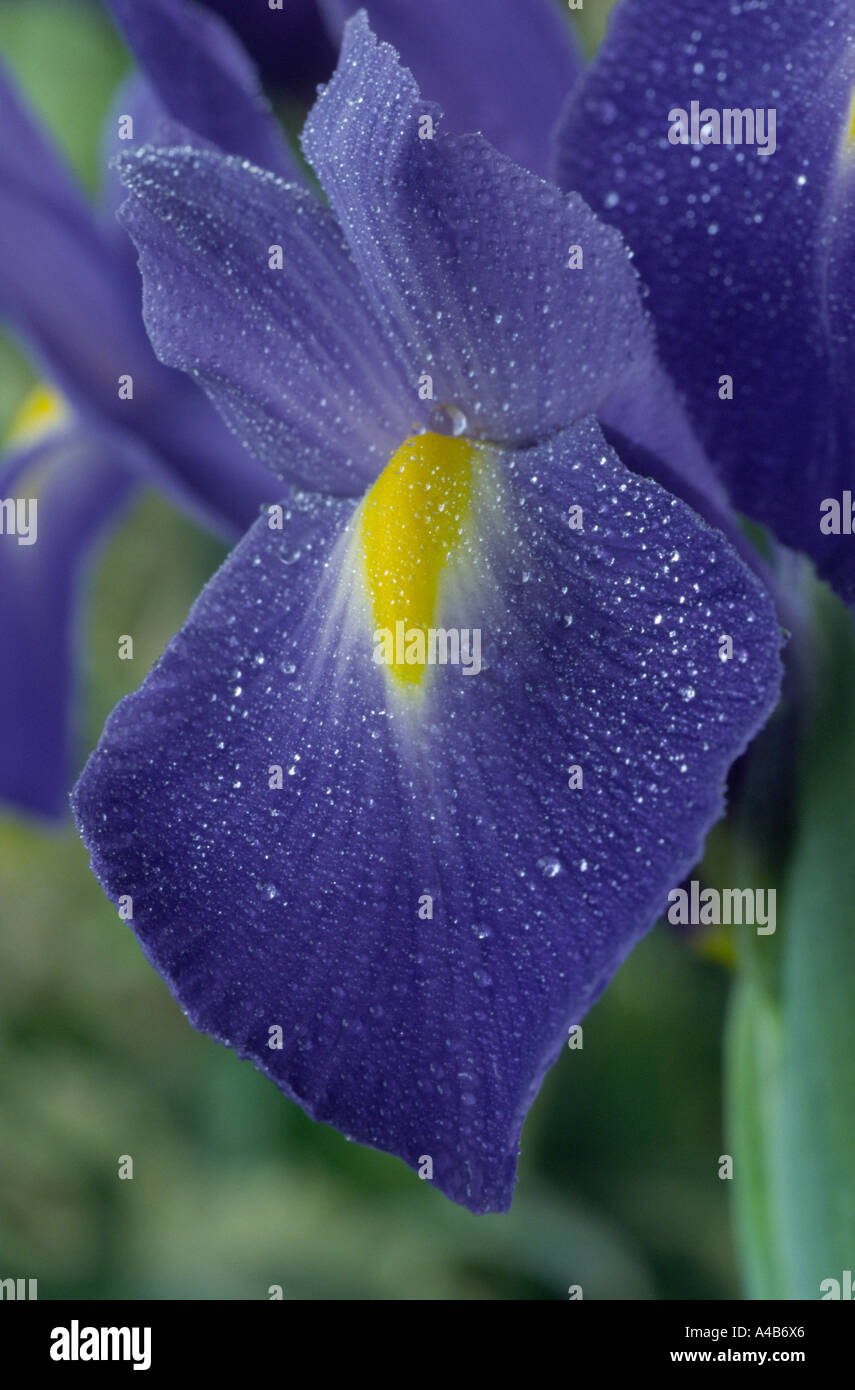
(746, 247)
(401, 928)
(80, 485)
(501, 67)
(290, 354)
(475, 262)
(204, 78)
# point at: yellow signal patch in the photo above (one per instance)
(410, 524)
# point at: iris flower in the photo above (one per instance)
(70, 290)
(747, 255)
(395, 885)
(516, 88)
(67, 285)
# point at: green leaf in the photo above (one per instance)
(754, 1054)
(817, 1154)
(791, 1038)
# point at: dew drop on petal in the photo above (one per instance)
(447, 419)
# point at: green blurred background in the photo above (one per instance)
(234, 1190)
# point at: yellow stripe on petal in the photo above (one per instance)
(849, 137)
(410, 525)
(41, 412)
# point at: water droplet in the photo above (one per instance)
(447, 419)
(549, 866)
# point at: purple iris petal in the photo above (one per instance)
(469, 256)
(646, 424)
(298, 908)
(80, 484)
(67, 289)
(58, 281)
(647, 414)
(502, 67)
(277, 810)
(134, 97)
(293, 357)
(747, 253)
(70, 287)
(204, 79)
(645, 421)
